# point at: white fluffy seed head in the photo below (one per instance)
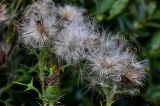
(73, 40)
(111, 62)
(41, 8)
(69, 44)
(71, 12)
(109, 66)
(3, 12)
(134, 72)
(38, 32)
(39, 23)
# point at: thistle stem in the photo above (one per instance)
(109, 94)
(41, 58)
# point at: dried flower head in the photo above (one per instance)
(71, 12)
(70, 41)
(39, 24)
(110, 64)
(37, 32)
(40, 8)
(3, 12)
(134, 73)
(53, 79)
(109, 67)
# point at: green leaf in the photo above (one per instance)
(150, 8)
(103, 5)
(118, 7)
(156, 15)
(29, 86)
(155, 42)
(153, 24)
(153, 95)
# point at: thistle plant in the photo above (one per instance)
(63, 31)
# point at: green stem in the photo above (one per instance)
(41, 64)
(42, 79)
(110, 93)
(109, 100)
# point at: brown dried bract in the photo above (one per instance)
(42, 28)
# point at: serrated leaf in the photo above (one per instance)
(117, 7)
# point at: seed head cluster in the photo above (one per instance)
(75, 37)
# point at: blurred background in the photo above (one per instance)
(137, 20)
